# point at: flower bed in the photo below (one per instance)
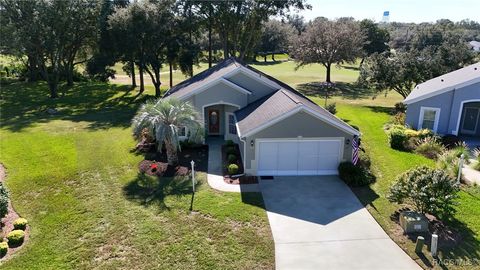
(155, 168)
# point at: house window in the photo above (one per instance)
(232, 129)
(182, 132)
(429, 118)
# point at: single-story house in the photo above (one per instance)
(448, 104)
(279, 130)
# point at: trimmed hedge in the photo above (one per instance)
(231, 158)
(354, 175)
(3, 248)
(16, 237)
(232, 169)
(229, 142)
(20, 224)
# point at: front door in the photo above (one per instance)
(470, 120)
(213, 122)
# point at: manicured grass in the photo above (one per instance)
(73, 176)
(283, 70)
(387, 164)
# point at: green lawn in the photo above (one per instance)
(74, 178)
(69, 173)
(387, 165)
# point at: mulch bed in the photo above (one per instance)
(447, 237)
(155, 163)
(6, 224)
(242, 180)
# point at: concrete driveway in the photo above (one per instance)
(318, 223)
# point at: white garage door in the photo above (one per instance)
(299, 157)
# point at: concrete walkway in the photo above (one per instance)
(318, 223)
(469, 174)
(215, 176)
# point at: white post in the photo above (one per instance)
(193, 175)
(433, 247)
(460, 167)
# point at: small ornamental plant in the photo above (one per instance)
(232, 169)
(154, 167)
(20, 224)
(16, 237)
(3, 249)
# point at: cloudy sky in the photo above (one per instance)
(400, 10)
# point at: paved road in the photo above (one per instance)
(318, 223)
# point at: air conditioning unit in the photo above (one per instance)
(413, 222)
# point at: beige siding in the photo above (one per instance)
(301, 124)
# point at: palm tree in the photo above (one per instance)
(163, 119)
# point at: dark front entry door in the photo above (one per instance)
(213, 121)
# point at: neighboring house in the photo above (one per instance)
(279, 131)
(449, 104)
(475, 45)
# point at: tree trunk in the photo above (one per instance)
(328, 66)
(265, 58)
(157, 83)
(32, 69)
(53, 85)
(273, 57)
(132, 73)
(361, 62)
(142, 84)
(172, 156)
(209, 38)
(170, 65)
(69, 75)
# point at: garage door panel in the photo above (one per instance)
(287, 164)
(268, 156)
(299, 157)
(308, 157)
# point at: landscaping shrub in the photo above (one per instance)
(232, 169)
(231, 158)
(429, 147)
(460, 149)
(354, 175)
(231, 150)
(20, 224)
(449, 141)
(427, 190)
(476, 152)
(229, 142)
(400, 108)
(4, 195)
(448, 161)
(399, 119)
(397, 137)
(331, 108)
(3, 248)
(16, 237)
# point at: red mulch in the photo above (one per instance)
(156, 168)
(244, 179)
(6, 224)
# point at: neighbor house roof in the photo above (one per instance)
(447, 82)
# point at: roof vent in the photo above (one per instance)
(441, 80)
(475, 68)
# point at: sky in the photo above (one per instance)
(400, 10)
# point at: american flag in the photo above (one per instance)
(355, 150)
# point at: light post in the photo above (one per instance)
(193, 184)
(460, 167)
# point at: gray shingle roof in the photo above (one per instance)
(202, 78)
(261, 111)
(268, 108)
(445, 83)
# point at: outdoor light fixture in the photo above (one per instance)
(252, 143)
(347, 142)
